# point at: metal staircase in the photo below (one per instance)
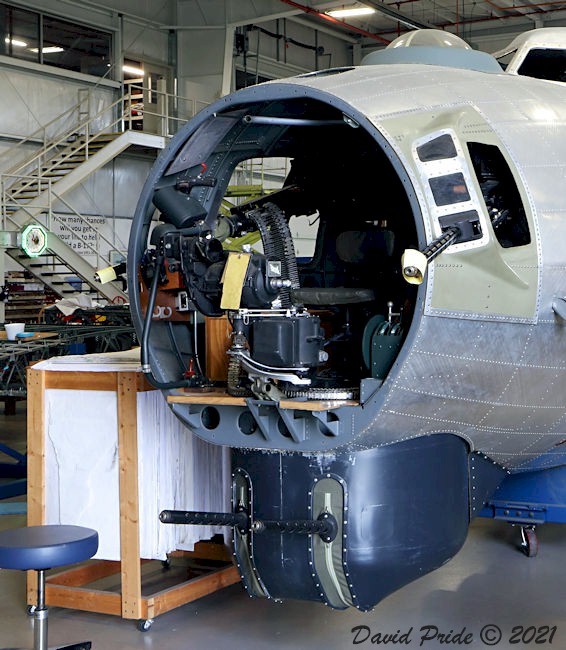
(30, 189)
(27, 188)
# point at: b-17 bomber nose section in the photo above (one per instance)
(305, 276)
(349, 278)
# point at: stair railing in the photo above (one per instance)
(101, 260)
(118, 114)
(41, 134)
(64, 143)
(8, 199)
(169, 116)
(48, 218)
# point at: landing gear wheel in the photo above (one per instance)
(166, 564)
(144, 624)
(529, 544)
(31, 610)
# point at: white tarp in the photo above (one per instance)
(176, 470)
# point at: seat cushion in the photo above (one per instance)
(44, 547)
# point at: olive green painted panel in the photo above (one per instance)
(484, 282)
(480, 277)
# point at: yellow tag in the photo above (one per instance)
(233, 280)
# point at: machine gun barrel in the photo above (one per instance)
(239, 519)
(326, 525)
(414, 262)
(441, 243)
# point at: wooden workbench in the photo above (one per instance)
(67, 589)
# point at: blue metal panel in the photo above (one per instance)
(13, 488)
(17, 471)
(530, 498)
(13, 508)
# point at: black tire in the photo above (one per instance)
(529, 545)
(144, 624)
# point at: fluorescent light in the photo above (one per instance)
(131, 70)
(349, 13)
(50, 49)
(15, 42)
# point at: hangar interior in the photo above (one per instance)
(93, 93)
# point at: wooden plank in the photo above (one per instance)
(142, 383)
(212, 397)
(88, 600)
(35, 461)
(217, 342)
(221, 397)
(78, 380)
(36, 446)
(206, 551)
(190, 590)
(148, 608)
(82, 575)
(315, 405)
(82, 380)
(129, 497)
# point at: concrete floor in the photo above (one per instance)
(488, 583)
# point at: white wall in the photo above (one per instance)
(144, 43)
(33, 95)
(31, 100)
(205, 41)
(336, 52)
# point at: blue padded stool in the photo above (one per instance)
(40, 548)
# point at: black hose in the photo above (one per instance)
(146, 369)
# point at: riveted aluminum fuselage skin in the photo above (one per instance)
(485, 357)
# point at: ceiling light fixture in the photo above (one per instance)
(15, 42)
(131, 70)
(49, 49)
(351, 12)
